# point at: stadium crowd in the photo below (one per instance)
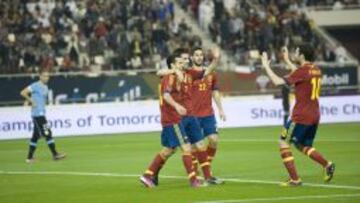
(81, 35)
(73, 35)
(246, 28)
(334, 4)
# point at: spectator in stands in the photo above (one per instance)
(206, 13)
(83, 30)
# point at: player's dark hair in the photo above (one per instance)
(171, 58)
(179, 51)
(308, 51)
(196, 49)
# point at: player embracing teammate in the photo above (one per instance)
(177, 96)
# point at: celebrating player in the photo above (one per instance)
(305, 117)
(173, 133)
(39, 91)
(192, 125)
(204, 89)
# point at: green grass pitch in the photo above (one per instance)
(107, 169)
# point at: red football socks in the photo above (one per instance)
(204, 163)
(289, 163)
(155, 165)
(187, 160)
(315, 155)
(211, 153)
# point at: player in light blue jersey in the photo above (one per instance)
(36, 95)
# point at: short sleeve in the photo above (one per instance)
(32, 87)
(297, 76)
(168, 83)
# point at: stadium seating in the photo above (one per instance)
(70, 35)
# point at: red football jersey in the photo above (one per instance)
(186, 94)
(307, 81)
(202, 95)
(168, 84)
(195, 74)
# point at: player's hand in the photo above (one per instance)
(216, 53)
(265, 60)
(222, 115)
(285, 53)
(181, 110)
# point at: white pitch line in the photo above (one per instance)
(276, 140)
(284, 198)
(235, 180)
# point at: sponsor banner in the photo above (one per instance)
(84, 89)
(143, 116)
(342, 76)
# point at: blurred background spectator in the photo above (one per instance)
(69, 35)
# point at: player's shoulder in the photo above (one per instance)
(34, 84)
(311, 69)
(168, 78)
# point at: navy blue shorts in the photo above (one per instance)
(192, 129)
(208, 125)
(300, 134)
(173, 136)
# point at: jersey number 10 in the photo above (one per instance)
(316, 86)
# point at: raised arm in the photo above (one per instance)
(164, 72)
(266, 65)
(288, 63)
(215, 62)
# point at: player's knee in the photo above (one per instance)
(167, 152)
(186, 148)
(283, 144)
(201, 146)
(299, 147)
(213, 140)
(34, 139)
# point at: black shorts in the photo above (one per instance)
(41, 127)
(300, 134)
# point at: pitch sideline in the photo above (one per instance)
(236, 180)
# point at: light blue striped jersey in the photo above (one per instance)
(39, 93)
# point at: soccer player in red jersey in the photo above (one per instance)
(204, 86)
(204, 89)
(190, 122)
(173, 133)
(305, 116)
(193, 128)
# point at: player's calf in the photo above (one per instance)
(288, 160)
(166, 153)
(212, 146)
(154, 168)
